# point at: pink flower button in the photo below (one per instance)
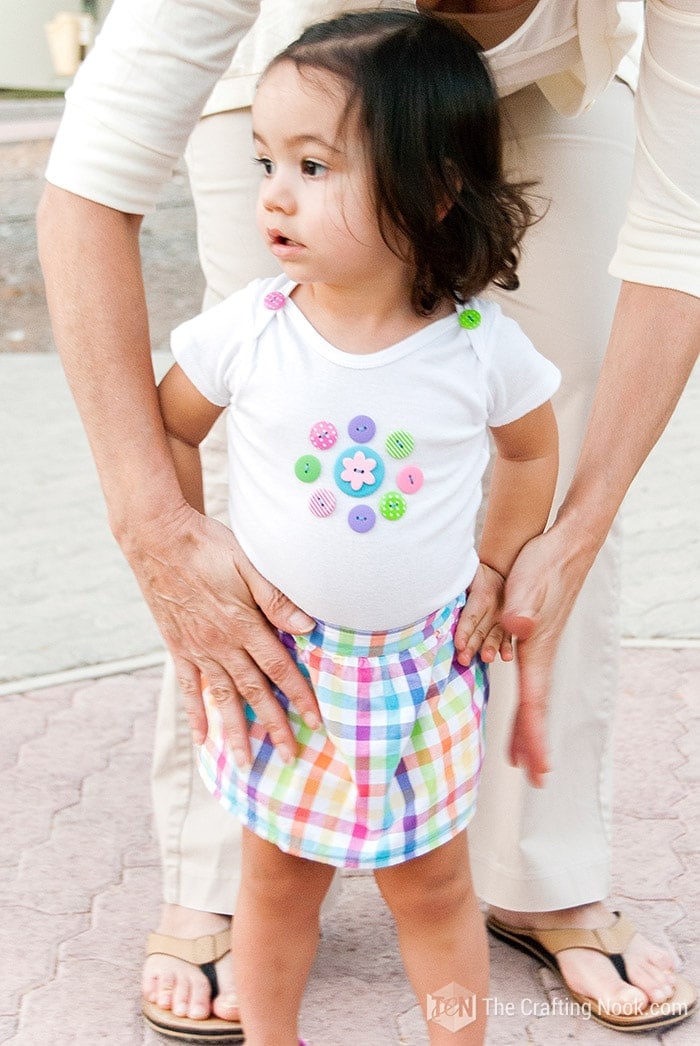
(358, 470)
(275, 300)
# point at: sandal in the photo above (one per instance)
(611, 941)
(203, 952)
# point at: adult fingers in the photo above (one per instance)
(189, 678)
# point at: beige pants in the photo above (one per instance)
(530, 849)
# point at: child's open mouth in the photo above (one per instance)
(278, 240)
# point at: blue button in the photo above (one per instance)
(359, 471)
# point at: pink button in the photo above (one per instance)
(323, 435)
(275, 300)
(322, 503)
(409, 479)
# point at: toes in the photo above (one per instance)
(627, 999)
(164, 991)
(651, 969)
(226, 1007)
(181, 999)
(199, 1002)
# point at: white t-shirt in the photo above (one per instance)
(355, 479)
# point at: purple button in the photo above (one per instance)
(275, 300)
(362, 429)
(361, 518)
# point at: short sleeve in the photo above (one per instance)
(518, 377)
(210, 347)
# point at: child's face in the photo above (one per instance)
(315, 207)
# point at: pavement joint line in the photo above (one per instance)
(142, 661)
(84, 672)
(664, 643)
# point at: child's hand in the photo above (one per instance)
(479, 628)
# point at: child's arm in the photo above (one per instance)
(520, 498)
(187, 418)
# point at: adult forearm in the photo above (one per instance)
(653, 345)
(92, 270)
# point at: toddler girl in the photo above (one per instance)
(362, 385)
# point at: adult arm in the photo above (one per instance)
(646, 368)
(653, 345)
(191, 570)
(520, 498)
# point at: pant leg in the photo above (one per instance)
(531, 849)
(199, 840)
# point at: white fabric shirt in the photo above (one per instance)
(136, 98)
(355, 479)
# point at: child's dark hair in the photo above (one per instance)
(428, 109)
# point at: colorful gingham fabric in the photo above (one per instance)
(393, 771)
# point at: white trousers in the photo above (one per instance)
(530, 849)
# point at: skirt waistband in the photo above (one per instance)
(351, 643)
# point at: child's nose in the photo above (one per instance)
(277, 194)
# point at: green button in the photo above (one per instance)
(469, 319)
(392, 505)
(399, 444)
(307, 468)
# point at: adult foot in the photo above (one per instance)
(182, 987)
(650, 969)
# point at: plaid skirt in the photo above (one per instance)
(392, 772)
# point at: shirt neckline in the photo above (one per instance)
(365, 361)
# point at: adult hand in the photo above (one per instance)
(540, 592)
(215, 612)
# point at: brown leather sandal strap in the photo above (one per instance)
(610, 940)
(209, 948)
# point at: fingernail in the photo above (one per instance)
(312, 720)
(300, 622)
(286, 755)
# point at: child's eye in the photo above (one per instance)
(263, 162)
(313, 168)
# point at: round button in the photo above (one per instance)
(361, 518)
(362, 429)
(275, 300)
(323, 435)
(469, 319)
(410, 479)
(392, 505)
(399, 444)
(322, 503)
(307, 468)
(359, 471)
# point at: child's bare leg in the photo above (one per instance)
(275, 934)
(441, 933)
